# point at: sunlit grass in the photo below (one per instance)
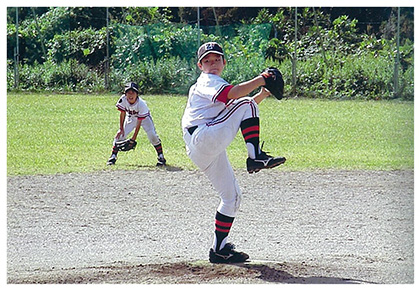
(48, 134)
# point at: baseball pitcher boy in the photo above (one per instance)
(134, 114)
(214, 113)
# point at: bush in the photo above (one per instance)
(87, 46)
(67, 76)
(332, 61)
(171, 75)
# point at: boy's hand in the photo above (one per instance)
(120, 133)
(262, 94)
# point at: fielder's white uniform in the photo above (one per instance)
(138, 110)
(218, 121)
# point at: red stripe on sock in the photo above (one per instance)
(251, 136)
(223, 224)
(222, 230)
(250, 129)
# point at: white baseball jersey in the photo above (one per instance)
(207, 98)
(218, 120)
(139, 109)
(134, 112)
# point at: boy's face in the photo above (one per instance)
(212, 63)
(131, 96)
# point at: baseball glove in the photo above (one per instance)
(274, 82)
(126, 145)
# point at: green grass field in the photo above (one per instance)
(48, 134)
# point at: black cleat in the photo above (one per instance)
(227, 255)
(161, 161)
(263, 161)
(112, 160)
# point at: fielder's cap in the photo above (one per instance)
(209, 47)
(131, 86)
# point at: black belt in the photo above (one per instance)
(191, 129)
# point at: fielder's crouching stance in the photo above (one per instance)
(214, 114)
(134, 114)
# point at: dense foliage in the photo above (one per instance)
(65, 49)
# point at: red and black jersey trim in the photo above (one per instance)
(222, 94)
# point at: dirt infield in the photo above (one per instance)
(155, 226)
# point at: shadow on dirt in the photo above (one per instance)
(274, 274)
(254, 272)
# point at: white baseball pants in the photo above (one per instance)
(148, 126)
(207, 149)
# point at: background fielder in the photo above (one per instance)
(214, 114)
(134, 114)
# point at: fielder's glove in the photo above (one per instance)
(274, 82)
(126, 145)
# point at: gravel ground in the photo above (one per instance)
(156, 226)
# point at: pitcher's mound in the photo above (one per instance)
(197, 272)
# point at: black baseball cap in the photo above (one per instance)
(131, 86)
(209, 47)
